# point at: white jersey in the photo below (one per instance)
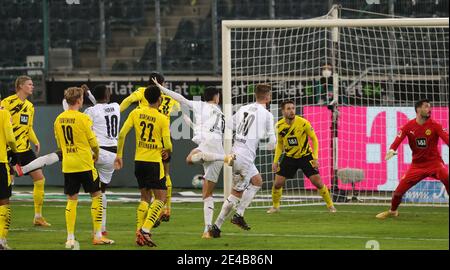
(106, 119)
(209, 122)
(252, 123)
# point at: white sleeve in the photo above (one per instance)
(270, 131)
(65, 105)
(182, 100)
(88, 111)
(188, 121)
(91, 97)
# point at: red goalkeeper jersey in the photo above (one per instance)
(423, 140)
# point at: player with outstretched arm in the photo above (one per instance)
(423, 135)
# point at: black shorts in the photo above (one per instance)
(23, 158)
(73, 182)
(5, 177)
(147, 175)
(289, 166)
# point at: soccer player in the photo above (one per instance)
(293, 134)
(54, 157)
(168, 105)
(77, 141)
(22, 113)
(106, 118)
(152, 131)
(208, 128)
(252, 123)
(423, 135)
(6, 139)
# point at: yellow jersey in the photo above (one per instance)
(152, 135)
(22, 115)
(293, 139)
(6, 135)
(74, 136)
(168, 104)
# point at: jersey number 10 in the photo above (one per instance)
(245, 125)
(111, 125)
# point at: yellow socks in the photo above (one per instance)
(276, 196)
(38, 197)
(97, 215)
(326, 196)
(169, 192)
(153, 215)
(141, 214)
(5, 221)
(71, 217)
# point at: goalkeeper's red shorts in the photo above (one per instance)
(418, 172)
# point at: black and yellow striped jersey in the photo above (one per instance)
(6, 134)
(22, 115)
(75, 138)
(168, 104)
(152, 130)
(293, 139)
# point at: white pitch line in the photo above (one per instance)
(260, 235)
(289, 209)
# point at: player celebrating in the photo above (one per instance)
(292, 137)
(6, 139)
(423, 135)
(168, 105)
(22, 115)
(106, 118)
(208, 134)
(74, 136)
(152, 130)
(254, 122)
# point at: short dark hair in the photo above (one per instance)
(159, 78)
(420, 103)
(285, 102)
(262, 90)
(99, 92)
(210, 92)
(152, 94)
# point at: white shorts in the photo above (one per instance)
(243, 170)
(105, 165)
(212, 169)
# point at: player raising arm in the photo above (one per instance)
(293, 133)
(77, 141)
(423, 135)
(152, 131)
(252, 123)
(166, 107)
(6, 140)
(208, 134)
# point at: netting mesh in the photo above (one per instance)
(381, 72)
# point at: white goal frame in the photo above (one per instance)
(334, 23)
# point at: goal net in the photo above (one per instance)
(356, 81)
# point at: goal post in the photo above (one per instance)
(379, 67)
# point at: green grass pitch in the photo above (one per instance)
(294, 228)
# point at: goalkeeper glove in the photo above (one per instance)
(390, 154)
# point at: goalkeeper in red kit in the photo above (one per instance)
(423, 135)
